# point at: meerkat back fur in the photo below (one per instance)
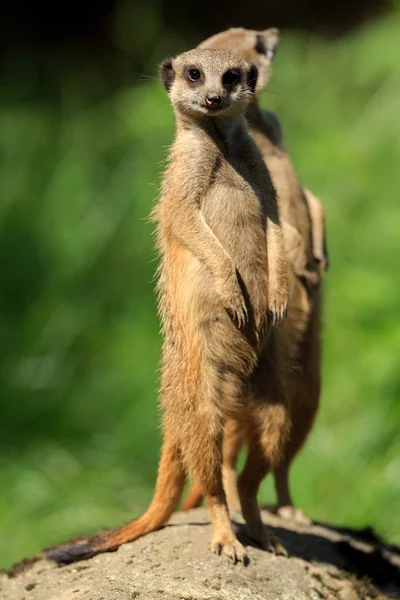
(223, 287)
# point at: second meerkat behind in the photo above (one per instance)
(223, 270)
(304, 237)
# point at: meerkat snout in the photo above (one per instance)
(213, 101)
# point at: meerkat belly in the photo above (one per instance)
(235, 216)
(201, 342)
(186, 287)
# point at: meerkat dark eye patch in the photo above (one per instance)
(260, 45)
(167, 73)
(252, 77)
(193, 75)
(231, 78)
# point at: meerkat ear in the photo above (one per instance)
(267, 42)
(167, 73)
(252, 76)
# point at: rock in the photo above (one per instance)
(175, 564)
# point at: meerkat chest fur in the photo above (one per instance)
(230, 194)
(234, 205)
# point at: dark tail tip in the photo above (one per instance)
(70, 554)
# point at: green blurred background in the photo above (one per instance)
(83, 137)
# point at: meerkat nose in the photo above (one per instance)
(213, 101)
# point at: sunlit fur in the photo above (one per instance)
(222, 285)
(304, 236)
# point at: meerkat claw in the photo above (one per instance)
(217, 549)
(278, 316)
(240, 317)
(233, 550)
(276, 546)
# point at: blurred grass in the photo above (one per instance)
(80, 346)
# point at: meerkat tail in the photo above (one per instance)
(170, 482)
(194, 497)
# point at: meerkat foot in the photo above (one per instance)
(233, 549)
(267, 542)
(290, 513)
(276, 546)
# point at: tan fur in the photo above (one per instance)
(267, 132)
(304, 237)
(317, 214)
(222, 284)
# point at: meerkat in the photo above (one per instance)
(303, 225)
(259, 47)
(223, 285)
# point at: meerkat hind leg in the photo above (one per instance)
(194, 497)
(304, 407)
(224, 539)
(254, 471)
(268, 431)
(206, 466)
(285, 508)
(234, 437)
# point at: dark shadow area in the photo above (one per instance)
(44, 24)
(368, 562)
(365, 534)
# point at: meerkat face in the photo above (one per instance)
(209, 83)
(257, 47)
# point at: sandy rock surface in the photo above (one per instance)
(176, 564)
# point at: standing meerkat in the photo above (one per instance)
(304, 236)
(223, 270)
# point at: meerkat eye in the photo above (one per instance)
(231, 77)
(193, 74)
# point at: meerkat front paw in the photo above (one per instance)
(261, 320)
(324, 263)
(277, 305)
(233, 301)
(311, 278)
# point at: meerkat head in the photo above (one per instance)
(209, 83)
(257, 47)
